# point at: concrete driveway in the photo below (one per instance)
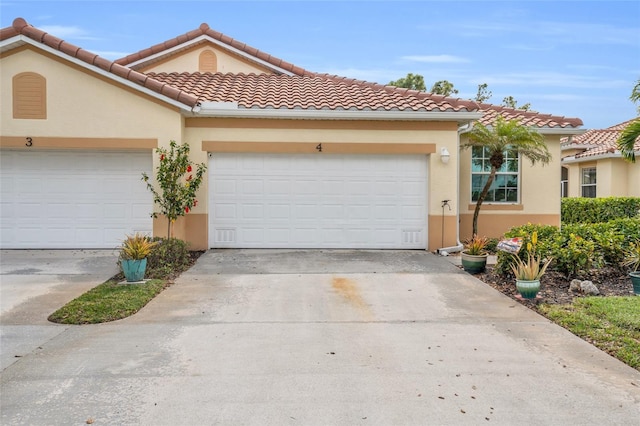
(272, 337)
(34, 283)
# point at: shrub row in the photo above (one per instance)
(595, 210)
(576, 248)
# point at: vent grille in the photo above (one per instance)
(225, 235)
(411, 236)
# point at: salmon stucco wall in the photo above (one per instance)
(96, 107)
(98, 111)
(539, 196)
(615, 177)
(188, 61)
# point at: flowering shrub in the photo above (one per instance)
(178, 179)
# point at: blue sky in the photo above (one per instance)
(572, 58)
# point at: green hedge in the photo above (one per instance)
(576, 248)
(596, 210)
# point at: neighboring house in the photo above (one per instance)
(296, 159)
(593, 167)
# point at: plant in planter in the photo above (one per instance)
(528, 272)
(133, 256)
(474, 255)
(632, 260)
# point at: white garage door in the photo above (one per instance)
(68, 199)
(317, 201)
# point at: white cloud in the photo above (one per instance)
(67, 33)
(435, 59)
(556, 32)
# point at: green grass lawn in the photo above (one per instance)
(109, 301)
(610, 323)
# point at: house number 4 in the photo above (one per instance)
(319, 147)
(29, 142)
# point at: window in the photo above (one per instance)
(208, 62)
(504, 188)
(589, 182)
(29, 96)
(564, 183)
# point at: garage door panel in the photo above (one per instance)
(73, 199)
(306, 201)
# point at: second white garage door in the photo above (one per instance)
(317, 201)
(72, 199)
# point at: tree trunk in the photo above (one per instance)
(168, 228)
(481, 198)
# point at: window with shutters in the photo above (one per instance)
(208, 62)
(29, 96)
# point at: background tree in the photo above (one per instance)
(178, 179)
(411, 81)
(484, 94)
(631, 133)
(502, 136)
(443, 87)
(510, 102)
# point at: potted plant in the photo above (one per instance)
(474, 256)
(528, 272)
(632, 260)
(133, 256)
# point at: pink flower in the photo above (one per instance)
(189, 178)
(195, 203)
(189, 168)
(161, 157)
(186, 209)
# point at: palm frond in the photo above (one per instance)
(628, 139)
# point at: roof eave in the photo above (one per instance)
(559, 130)
(298, 114)
(20, 40)
(608, 155)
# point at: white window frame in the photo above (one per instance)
(564, 183)
(518, 175)
(593, 185)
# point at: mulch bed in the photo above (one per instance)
(554, 286)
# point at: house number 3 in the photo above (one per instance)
(29, 142)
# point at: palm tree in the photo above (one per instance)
(631, 133)
(504, 136)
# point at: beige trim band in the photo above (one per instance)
(43, 142)
(498, 207)
(318, 147)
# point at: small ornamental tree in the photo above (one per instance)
(178, 179)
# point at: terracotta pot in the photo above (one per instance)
(474, 263)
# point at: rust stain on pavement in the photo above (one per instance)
(350, 292)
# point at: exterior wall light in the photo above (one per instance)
(444, 155)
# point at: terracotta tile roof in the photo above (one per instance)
(444, 104)
(309, 92)
(526, 118)
(205, 30)
(21, 27)
(598, 141)
(303, 90)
